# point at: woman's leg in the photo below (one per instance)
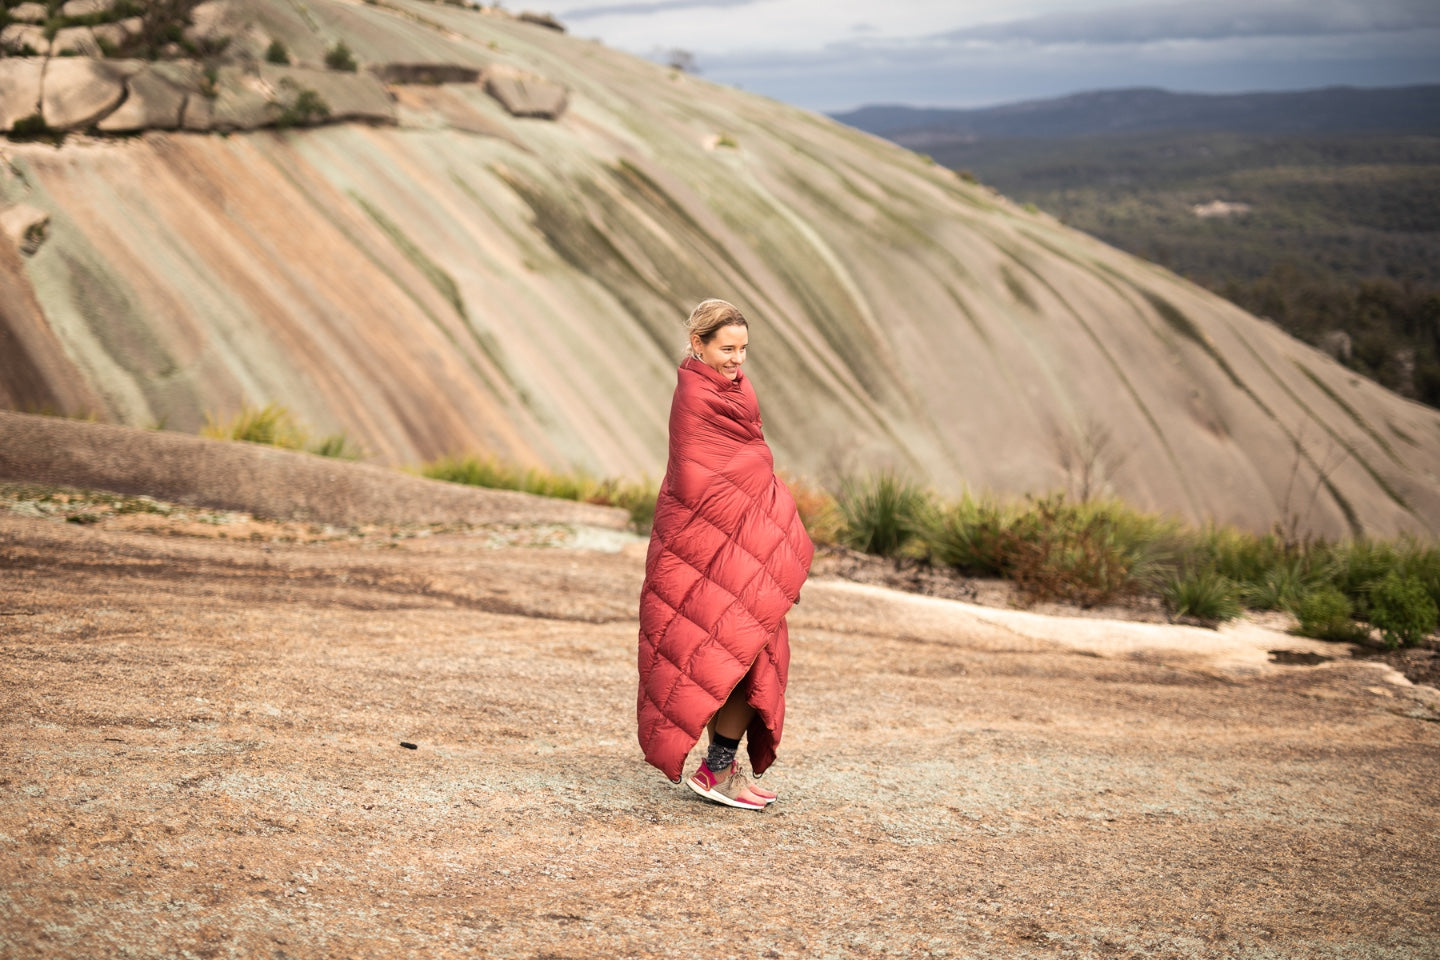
(726, 728)
(734, 716)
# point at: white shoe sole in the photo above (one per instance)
(721, 798)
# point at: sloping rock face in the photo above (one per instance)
(19, 90)
(463, 279)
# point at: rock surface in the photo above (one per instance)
(25, 226)
(19, 89)
(21, 39)
(264, 480)
(86, 8)
(28, 13)
(79, 91)
(204, 718)
(152, 103)
(77, 41)
(525, 94)
(355, 97)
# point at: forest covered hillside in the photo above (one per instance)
(1319, 209)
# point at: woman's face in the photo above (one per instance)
(725, 351)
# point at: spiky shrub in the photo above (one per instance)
(1203, 594)
(969, 535)
(1285, 582)
(881, 514)
(1358, 566)
(1403, 610)
(1326, 614)
(1240, 556)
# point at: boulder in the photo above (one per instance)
(542, 20)
(23, 39)
(211, 22)
(85, 8)
(78, 91)
(19, 89)
(117, 34)
(25, 226)
(526, 94)
(76, 40)
(29, 13)
(425, 74)
(153, 103)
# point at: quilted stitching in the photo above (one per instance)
(728, 556)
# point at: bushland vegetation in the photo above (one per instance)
(638, 498)
(1337, 238)
(1086, 553)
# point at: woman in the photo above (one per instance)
(728, 555)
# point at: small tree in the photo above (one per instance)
(307, 110)
(276, 53)
(339, 57)
(682, 60)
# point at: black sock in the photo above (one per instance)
(721, 753)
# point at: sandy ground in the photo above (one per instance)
(204, 720)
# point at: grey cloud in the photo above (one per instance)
(1209, 21)
(644, 7)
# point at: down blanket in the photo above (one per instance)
(728, 556)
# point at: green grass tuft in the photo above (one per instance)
(1204, 594)
(274, 425)
(638, 499)
(881, 514)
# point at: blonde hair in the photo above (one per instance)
(708, 317)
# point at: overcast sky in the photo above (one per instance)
(833, 55)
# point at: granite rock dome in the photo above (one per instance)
(484, 236)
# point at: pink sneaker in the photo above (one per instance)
(733, 790)
(769, 796)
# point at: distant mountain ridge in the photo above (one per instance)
(1413, 109)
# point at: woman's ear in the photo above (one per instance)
(696, 346)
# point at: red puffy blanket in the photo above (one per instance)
(728, 556)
